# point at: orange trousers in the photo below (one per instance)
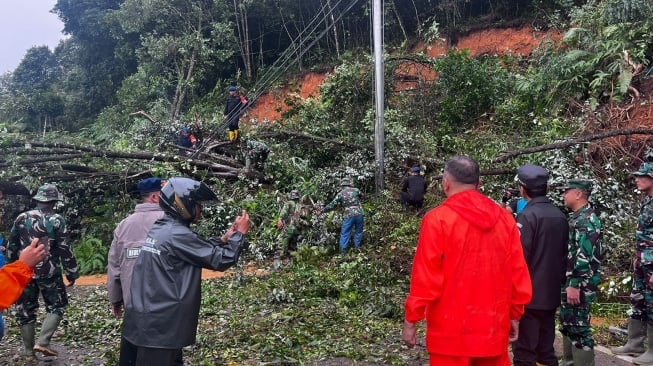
(444, 360)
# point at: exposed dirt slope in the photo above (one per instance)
(516, 42)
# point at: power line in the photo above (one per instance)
(285, 60)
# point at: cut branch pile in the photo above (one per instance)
(67, 162)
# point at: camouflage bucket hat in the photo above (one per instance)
(346, 182)
(48, 192)
(294, 194)
(645, 169)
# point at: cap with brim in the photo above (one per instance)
(583, 185)
(232, 88)
(415, 169)
(149, 185)
(646, 169)
(532, 176)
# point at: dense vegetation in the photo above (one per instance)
(173, 59)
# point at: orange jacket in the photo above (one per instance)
(13, 279)
(469, 277)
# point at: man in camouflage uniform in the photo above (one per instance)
(350, 199)
(641, 296)
(50, 227)
(256, 153)
(582, 277)
(292, 219)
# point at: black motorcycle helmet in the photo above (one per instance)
(179, 196)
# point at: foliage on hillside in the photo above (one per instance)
(479, 106)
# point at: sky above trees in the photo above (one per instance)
(25, 24)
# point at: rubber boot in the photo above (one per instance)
(50, 325)
(232, 136)
(236, 135)
(635, 344)
(248, 164)
(582, 357)
(646, 358)
(27, 333)
(567, 355)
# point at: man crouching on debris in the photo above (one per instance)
(163, 313)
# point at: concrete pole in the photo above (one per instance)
(379, 129)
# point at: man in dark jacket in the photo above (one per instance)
(544, 234)
(412, 189)
(232, 109)
(163, 313)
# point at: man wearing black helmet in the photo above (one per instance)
(165, 288)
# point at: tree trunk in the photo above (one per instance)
(243, 38)
(330, 16)
(401, 24)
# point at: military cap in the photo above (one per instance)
(415, 169)
(580, 184)
(346, 182)
(150, 185)
(48, 192)
(646, 169)
(532, 176)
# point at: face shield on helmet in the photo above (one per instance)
(180, 197)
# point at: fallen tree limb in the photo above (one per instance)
(307, 136)
(571, 142)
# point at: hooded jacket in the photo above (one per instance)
(13, 279)
(469, 277)
(166, 289)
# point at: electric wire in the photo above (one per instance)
(283, 63)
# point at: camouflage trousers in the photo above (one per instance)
(575, 322)
(289, 238)
(54, 295)
(641, 296)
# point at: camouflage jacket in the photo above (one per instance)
(38, 223)
(644, 233)
(585, 248)
(350, 199)
(256, 148)
(295, 214)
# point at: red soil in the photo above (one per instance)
(517, 42)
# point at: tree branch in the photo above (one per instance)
(574, 141)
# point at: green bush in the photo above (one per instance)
(91, 255)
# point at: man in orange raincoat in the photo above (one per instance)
(469, 279)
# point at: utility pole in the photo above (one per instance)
(379, 133)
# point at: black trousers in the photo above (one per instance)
(406, 199)
(536, 337)
(131, 355)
